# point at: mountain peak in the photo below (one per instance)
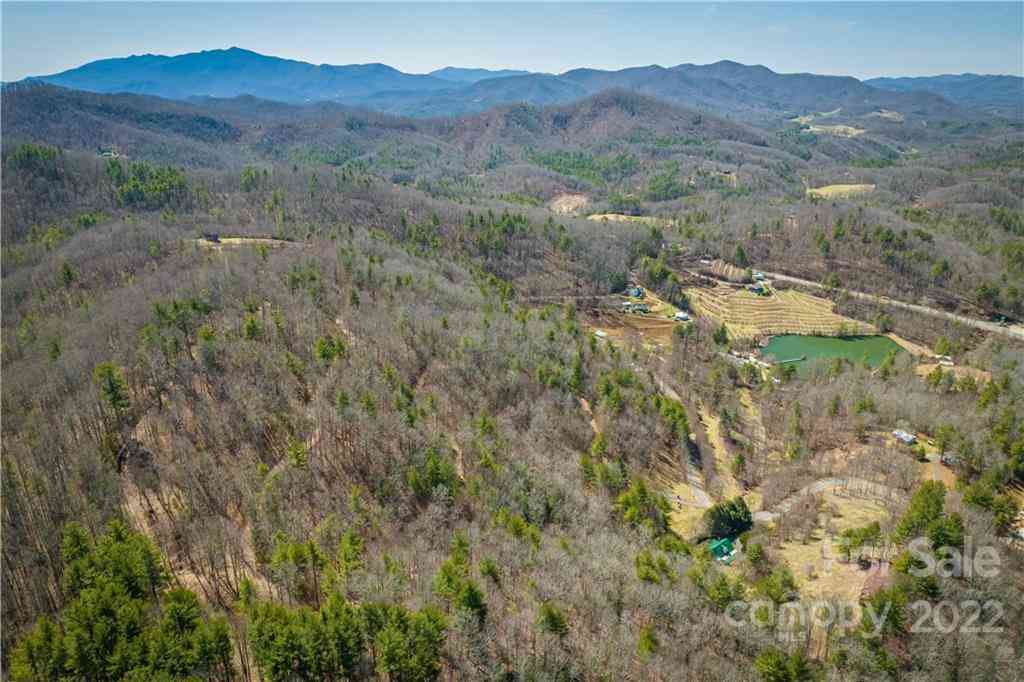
(457, 74)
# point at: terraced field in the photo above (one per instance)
(747, 315)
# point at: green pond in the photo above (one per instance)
(811, 348)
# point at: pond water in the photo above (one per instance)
(811, 348)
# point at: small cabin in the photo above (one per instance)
(723, 550)
(904, 437)
(758, 288)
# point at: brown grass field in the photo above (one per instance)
(838, 130)
(748, 315)
(830, 577)
(839, 191)
(567, 204)
(623, 218)
(242, 241)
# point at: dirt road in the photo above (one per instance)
(849, 486)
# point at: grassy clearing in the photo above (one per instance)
(686, 516)
(242, 241)
(914, 349)
(838, 130)
(807, 118)
(829, 577)
(935, 470)
(839, 191)
(623, 218)
(653, 329)
(748, 315)
(723, 463)
(893, 116)
(959, 371)
(567, 204)
(1017, 492)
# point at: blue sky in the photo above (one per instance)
(860, 39)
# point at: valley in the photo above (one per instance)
(341, 372)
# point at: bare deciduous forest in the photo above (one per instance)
(311, 392)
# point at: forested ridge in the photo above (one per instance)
(381, 440)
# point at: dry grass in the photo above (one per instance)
(722, 270)
(648, 329)
(959, 371)
(1017, 493)
(654, 329)
(243, 241)
(712, 426)
(831, 578)
(909, 346)
(623, 218)
(839, 191)
(686, 516)
(748, 315)
(935, 470)
(567, 204)
(807, 118)
(894, 116)
(838, 131)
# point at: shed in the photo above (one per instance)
(904, 437)
(722, 549)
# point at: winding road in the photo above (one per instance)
(1014, 331)
(866, 488)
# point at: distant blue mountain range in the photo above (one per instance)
(457, 75)
(967, 88)
(725, 86)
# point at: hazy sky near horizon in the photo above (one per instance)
(862, 39)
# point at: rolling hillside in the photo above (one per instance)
(966, 88)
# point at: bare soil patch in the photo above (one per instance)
(623, 218)
(893, 116)
(838, 130)
(828, 576)
(242, 241)
(840, 191)
(959, 371)
(911, 347)
(712, 426)
(567, 204)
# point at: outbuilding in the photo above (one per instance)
(904, 437)
(723, 549)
